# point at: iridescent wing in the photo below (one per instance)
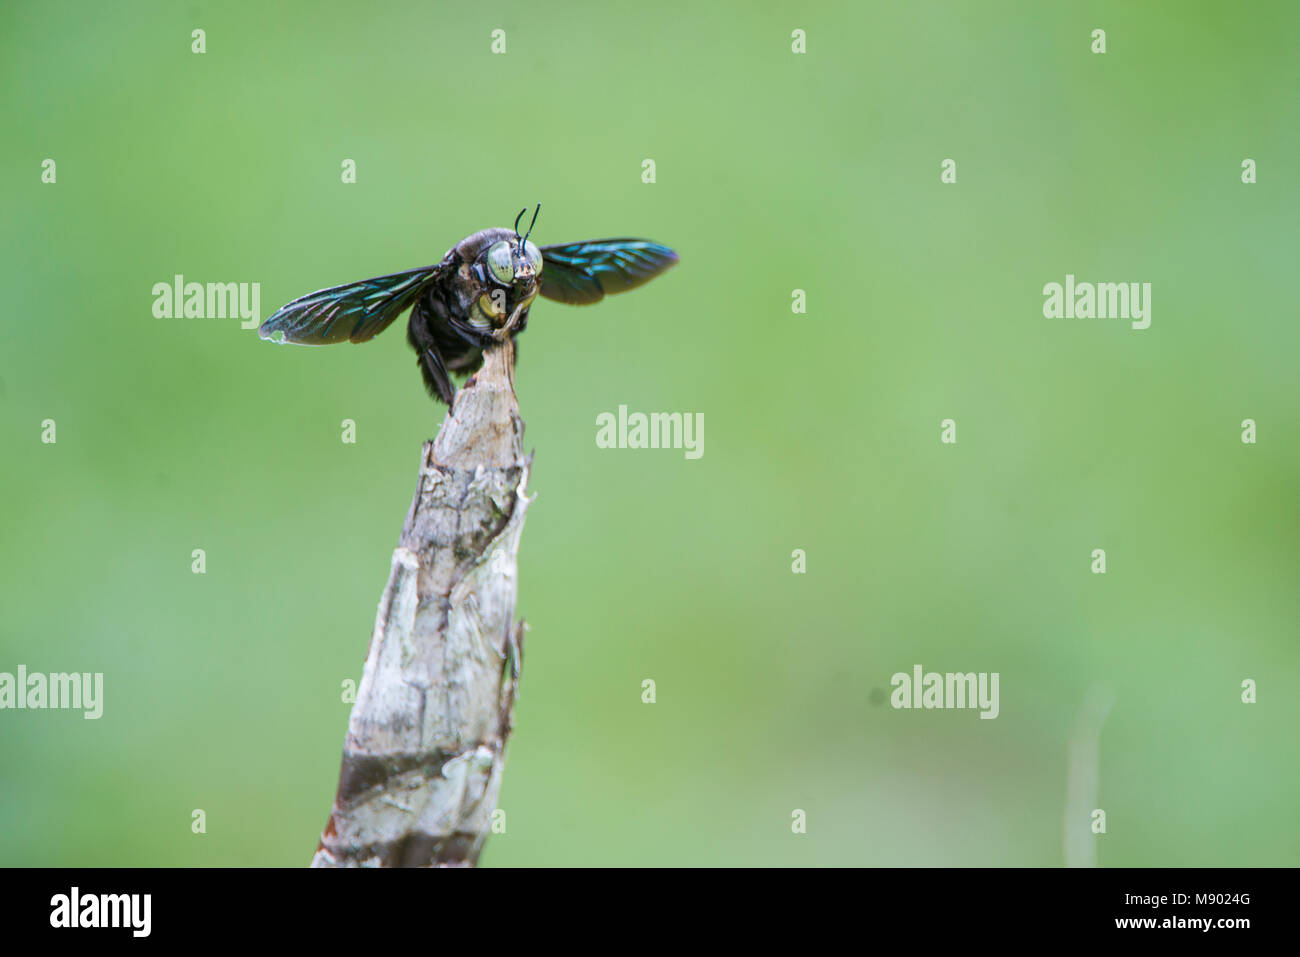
(357, 312)
(582, 273)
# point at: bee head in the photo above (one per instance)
(513, 262)
(506, 271)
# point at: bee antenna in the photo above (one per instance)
(517, 218)
(530, 225)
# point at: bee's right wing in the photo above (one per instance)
(357, 312)
(583, 273)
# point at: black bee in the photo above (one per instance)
(478, 295)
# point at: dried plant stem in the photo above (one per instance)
(425, 748)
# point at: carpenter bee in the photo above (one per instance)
(478, 295)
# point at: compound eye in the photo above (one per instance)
(500, 262)
(534, 256)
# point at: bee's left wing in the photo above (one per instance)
(358, 311)
(582, 273)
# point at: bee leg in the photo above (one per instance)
(469, 364)
(420, 334)
(435, 375)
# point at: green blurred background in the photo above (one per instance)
(775, 172)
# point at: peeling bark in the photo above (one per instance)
(425, 748)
